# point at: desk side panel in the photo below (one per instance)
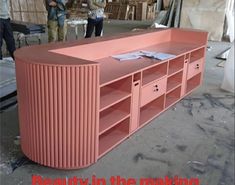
(58, 112)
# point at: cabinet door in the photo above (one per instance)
(135, 106)
(153, 91)
(194, 68)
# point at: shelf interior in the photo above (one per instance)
(193, 82)
(109, 139)
(196, 55)
(173, 96)
(152, 109)
(114, 114)
(174, 81)
(176, 65)
(154, 73)
(109, 94)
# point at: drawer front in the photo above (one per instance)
(152, 91)
(194, 68)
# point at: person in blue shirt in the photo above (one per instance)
(56, 20)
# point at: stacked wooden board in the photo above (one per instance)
(32, 11)
(131, 10)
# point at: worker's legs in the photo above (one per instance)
(61, 34)
(9, 38)
(62, 31)
(52, 30)
(7, 34)
(90, 27)
(65, 30)
(99, 28)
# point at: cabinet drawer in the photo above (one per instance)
(152, 91)
(194, 68)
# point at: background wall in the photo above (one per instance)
(33, 11)
(207, 15)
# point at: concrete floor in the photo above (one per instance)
(195, 138)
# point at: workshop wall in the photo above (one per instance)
(207, 15)
(33, 11)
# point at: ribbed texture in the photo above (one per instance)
(58, 114)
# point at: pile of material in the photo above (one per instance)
(27, 28)
(168, 12)
(215, 16)
(77, 9)
(131, 10)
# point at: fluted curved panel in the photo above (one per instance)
(58, 113)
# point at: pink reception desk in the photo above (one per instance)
(76, 102)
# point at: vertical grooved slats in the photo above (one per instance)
(47, 117)
(68, 103)
(96, 107)
(58, 114)
(81, 131)
(73, 122)
(40, 131)
(43, 107)
(64, 115)
(29, 114)
(85, 114)
(60, 137)
(92, 114)
(77, 118)
(35, 121)
(89, 114)
(52, 115)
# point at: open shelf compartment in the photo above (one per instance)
(193, 82)
(174, 81)
(154, 73)
(176, 65)
(173, 96)
(196, 55)
(151, 110)
(114, 92)
(113, 136)
(114, 114)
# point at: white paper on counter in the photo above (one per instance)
(142, 53)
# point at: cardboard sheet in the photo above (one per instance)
(206, 15)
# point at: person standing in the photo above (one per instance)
(6, 32)
(95, 17)
(56, 20)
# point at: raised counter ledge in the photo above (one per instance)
(99, 51)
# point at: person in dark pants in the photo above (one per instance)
(95, 17)
(5, 28)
